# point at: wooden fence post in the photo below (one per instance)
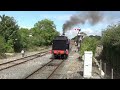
(105, 69)
(112, 73)
(101, 67)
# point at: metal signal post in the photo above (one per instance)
(79, 38)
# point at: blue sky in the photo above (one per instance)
(27, 19)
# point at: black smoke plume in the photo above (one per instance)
(93, 17)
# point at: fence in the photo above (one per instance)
(106, 71)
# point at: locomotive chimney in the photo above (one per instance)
(63, 34)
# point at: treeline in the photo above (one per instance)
(13, 38)
(111, 46)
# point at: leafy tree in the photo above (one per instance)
(24, 37)
(44, 32)
(45, 24)
(111, 46)
(2, 44)
(8, 29)
(2, 47)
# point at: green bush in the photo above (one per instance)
(89, 44)
(8, 48)
(2, 47)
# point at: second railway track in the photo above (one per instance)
(13, 63)
(46, 71)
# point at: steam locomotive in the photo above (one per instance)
(60, 47)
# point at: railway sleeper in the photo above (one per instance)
(53, 64)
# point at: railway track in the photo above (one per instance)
(19, 61)
(22, 57)
(47, 70)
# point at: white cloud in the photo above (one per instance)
(58, 17)
(90, 31)
(110, 20)
(25, 27)
(72, 33)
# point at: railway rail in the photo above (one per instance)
(42, 68)
(19, 61)
(22, 57)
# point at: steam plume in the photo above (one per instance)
(93, 17)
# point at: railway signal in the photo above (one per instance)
(78, 29)
(79, 38)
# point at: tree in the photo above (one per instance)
(8, 29)
(44, 32)
(111, 46)
(45, 24)
(2, 45)
(24, 37)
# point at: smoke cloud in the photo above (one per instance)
(93, 17)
